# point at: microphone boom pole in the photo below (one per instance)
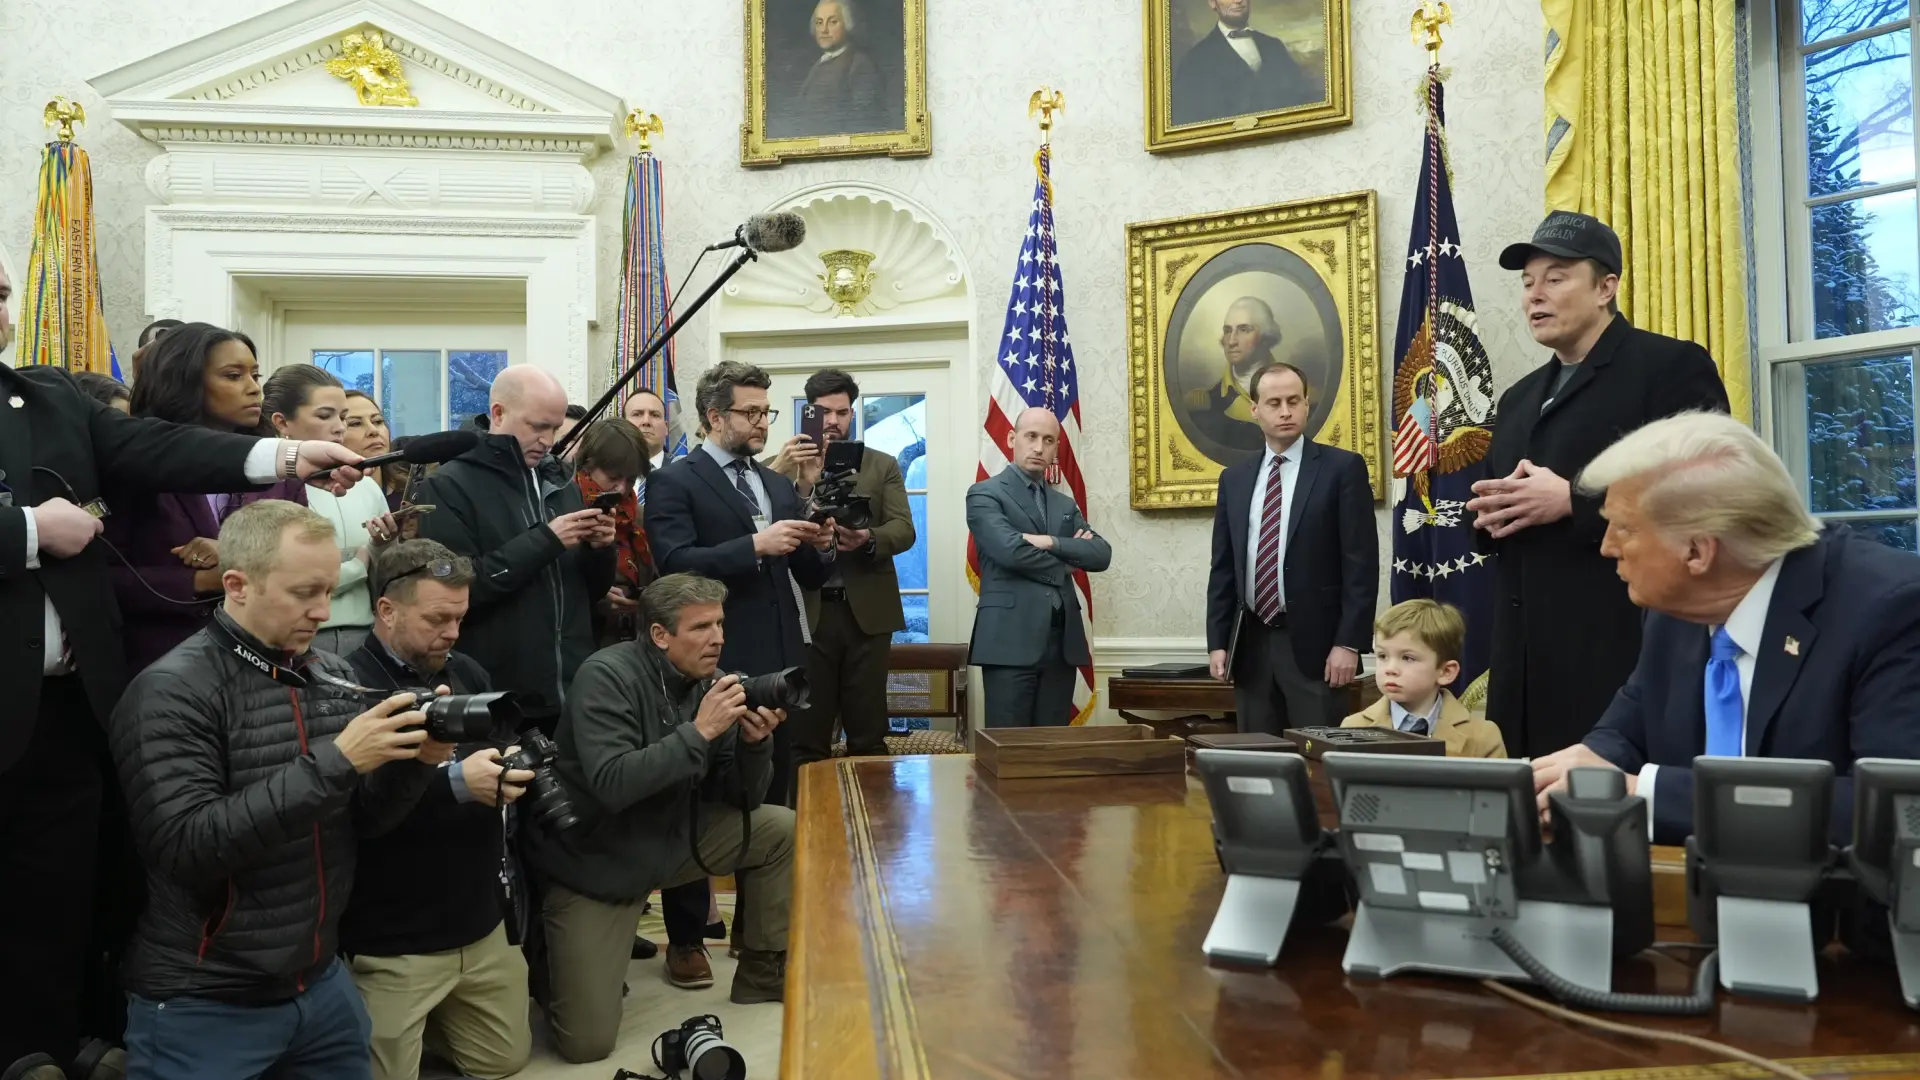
(660, 340)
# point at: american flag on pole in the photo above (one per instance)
(644, 299)
(1443, 409)
(1036, 371)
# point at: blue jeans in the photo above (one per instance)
(320, 1035)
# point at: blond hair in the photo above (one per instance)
(1437, 626)
(250, 538)
(1708, 474)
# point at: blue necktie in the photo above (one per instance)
(1724, 710)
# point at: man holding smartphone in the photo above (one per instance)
(854, 615)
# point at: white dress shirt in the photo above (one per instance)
(830, 55)
(262, 467)
(659, 459)
(1404, 718)
(1244, 46)
(1746, 626)
(726, 458)
(1289, 472)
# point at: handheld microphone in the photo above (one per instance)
(767, 233)
(437, 448)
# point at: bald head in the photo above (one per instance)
(529, 404)
(1034, 443)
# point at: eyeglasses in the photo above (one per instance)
(438, 568)
(757, 417)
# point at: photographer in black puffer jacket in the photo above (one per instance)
(250, 780)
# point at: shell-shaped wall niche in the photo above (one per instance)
(913, 259)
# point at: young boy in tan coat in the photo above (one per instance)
(1416, 656)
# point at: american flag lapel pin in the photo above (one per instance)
(1793, 646)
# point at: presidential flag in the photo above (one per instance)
(1036, 371)
(62, 318)
(644, 299)
(1443, 415)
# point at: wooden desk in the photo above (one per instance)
(949, 926)
(1214, 699)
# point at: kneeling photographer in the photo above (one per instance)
(427, 932)
(668, 766)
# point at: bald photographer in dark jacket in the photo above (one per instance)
(424, 934)
(251, 776)
(668, 768)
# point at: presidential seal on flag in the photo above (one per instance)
(1443, 402)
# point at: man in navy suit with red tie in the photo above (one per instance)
(1764, 636)
(1296, 567)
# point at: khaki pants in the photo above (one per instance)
(469, 1005)
(589, 941)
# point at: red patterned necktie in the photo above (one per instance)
(1266, 567)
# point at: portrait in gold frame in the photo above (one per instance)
(1288, 69)
(821, 86)
(1304, 275)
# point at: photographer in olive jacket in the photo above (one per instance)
(251, 776)
(650, 743)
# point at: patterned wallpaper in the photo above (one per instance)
(682, 60)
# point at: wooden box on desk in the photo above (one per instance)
(1087, 750)
(1316, 741)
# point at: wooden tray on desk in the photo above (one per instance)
(1362, 741)
(1088, 750)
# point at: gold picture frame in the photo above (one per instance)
(820, 90)
(1305, 275)
(1216, 98)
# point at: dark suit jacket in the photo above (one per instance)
(1330, 563)
(1020, 583)
(873, 589)
(1542, 694)
(840, 96)
(698, 523)
(1847, 690)
(60, 428)
(1213, 83)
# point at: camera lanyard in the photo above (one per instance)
(693, 805)
(279, 673)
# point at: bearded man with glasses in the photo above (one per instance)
(429, 934)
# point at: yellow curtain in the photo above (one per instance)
(1643, 133)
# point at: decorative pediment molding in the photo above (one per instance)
(265, 80)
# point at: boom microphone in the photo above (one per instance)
(767, 233)
(437, 448)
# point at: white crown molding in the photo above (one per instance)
(559, 227)
(201, 90)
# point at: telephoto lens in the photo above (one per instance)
(780, 690)
(697, 1049)
(461, 718)
(545, 799)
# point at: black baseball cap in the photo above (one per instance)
(1568, 235)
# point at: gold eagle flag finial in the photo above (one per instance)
(1427, 21)
(1042, 105)
(373, 68)
(61, 114)
(643, 126)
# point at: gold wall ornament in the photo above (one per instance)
(1042, 105)
(643, 126)
(373, 69)
(847, 279)
(62, 113)
(1310, 270)
(1427, 21)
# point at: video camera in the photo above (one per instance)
(833, 495)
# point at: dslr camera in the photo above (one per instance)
(698, 1047)
(833, 495)
(546, 801)
(469, 718)
(786, 689)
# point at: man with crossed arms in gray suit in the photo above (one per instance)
(1027, 634)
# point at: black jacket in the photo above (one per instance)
(433, 883)
(247, 817)
(1330, 562)
(57, 427)
(697, 522)
(633, 763)
(1543, 693)
(1211, 82)
(530, 621)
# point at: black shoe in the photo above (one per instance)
(99, 1060)
(716, 931)
(645, 949)
(33, 1067)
